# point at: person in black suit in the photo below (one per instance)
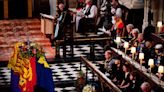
(86, 17)
(117, 72)
(135, 82)
(148, 51)
(125, 84)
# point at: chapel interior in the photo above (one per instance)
(81, 46)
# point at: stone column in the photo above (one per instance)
(53, 7)
(160, 17)
(146, 10)
(154, 5)
(29, 3)
(6, 9)
(158, 11)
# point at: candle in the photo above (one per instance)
(126, 45)
(141, 56)
(133, 50)
(159, 24)
(151, 62)
(118, 39)
(161, 69)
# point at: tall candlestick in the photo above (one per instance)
(126, 46)
(160, 71)
(133, 51)
(151, 64)
(118, 40)
(159, 25)
(141, 56)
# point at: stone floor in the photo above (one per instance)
(12, 31)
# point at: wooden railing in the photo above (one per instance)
(157, 39)
(142, 71)
(102, 77)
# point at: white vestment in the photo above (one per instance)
(52, 7)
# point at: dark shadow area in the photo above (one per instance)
(41, 6)
(135, 17)
(1, 9)
(17, 9)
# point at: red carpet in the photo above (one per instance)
(23, 27)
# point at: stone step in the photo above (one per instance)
(23, 27)
(21, 33)
(20, 28)
(19, 22)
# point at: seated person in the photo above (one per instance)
(159, 54)
(158, 59)
(135, 33)
(104, 66)
(139, 43)
(125, 84)
(128, 32)
(116, 74)
(118, 26)
(145, 87)
(148, 51)
(135, 82)
(86, 16)
(116, 8)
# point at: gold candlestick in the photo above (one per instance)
(159, 25)
(151, 64)
(160, 71)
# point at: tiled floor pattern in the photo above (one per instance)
(83, 50)
(61, 72)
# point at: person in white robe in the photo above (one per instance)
(89, 11)
(53, 7)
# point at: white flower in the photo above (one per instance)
(88, 88)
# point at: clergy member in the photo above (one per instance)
(86, 15)
(52, 7)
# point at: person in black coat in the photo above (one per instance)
(148, 51)
(125, 84)
(117, 72)
(135, 82)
